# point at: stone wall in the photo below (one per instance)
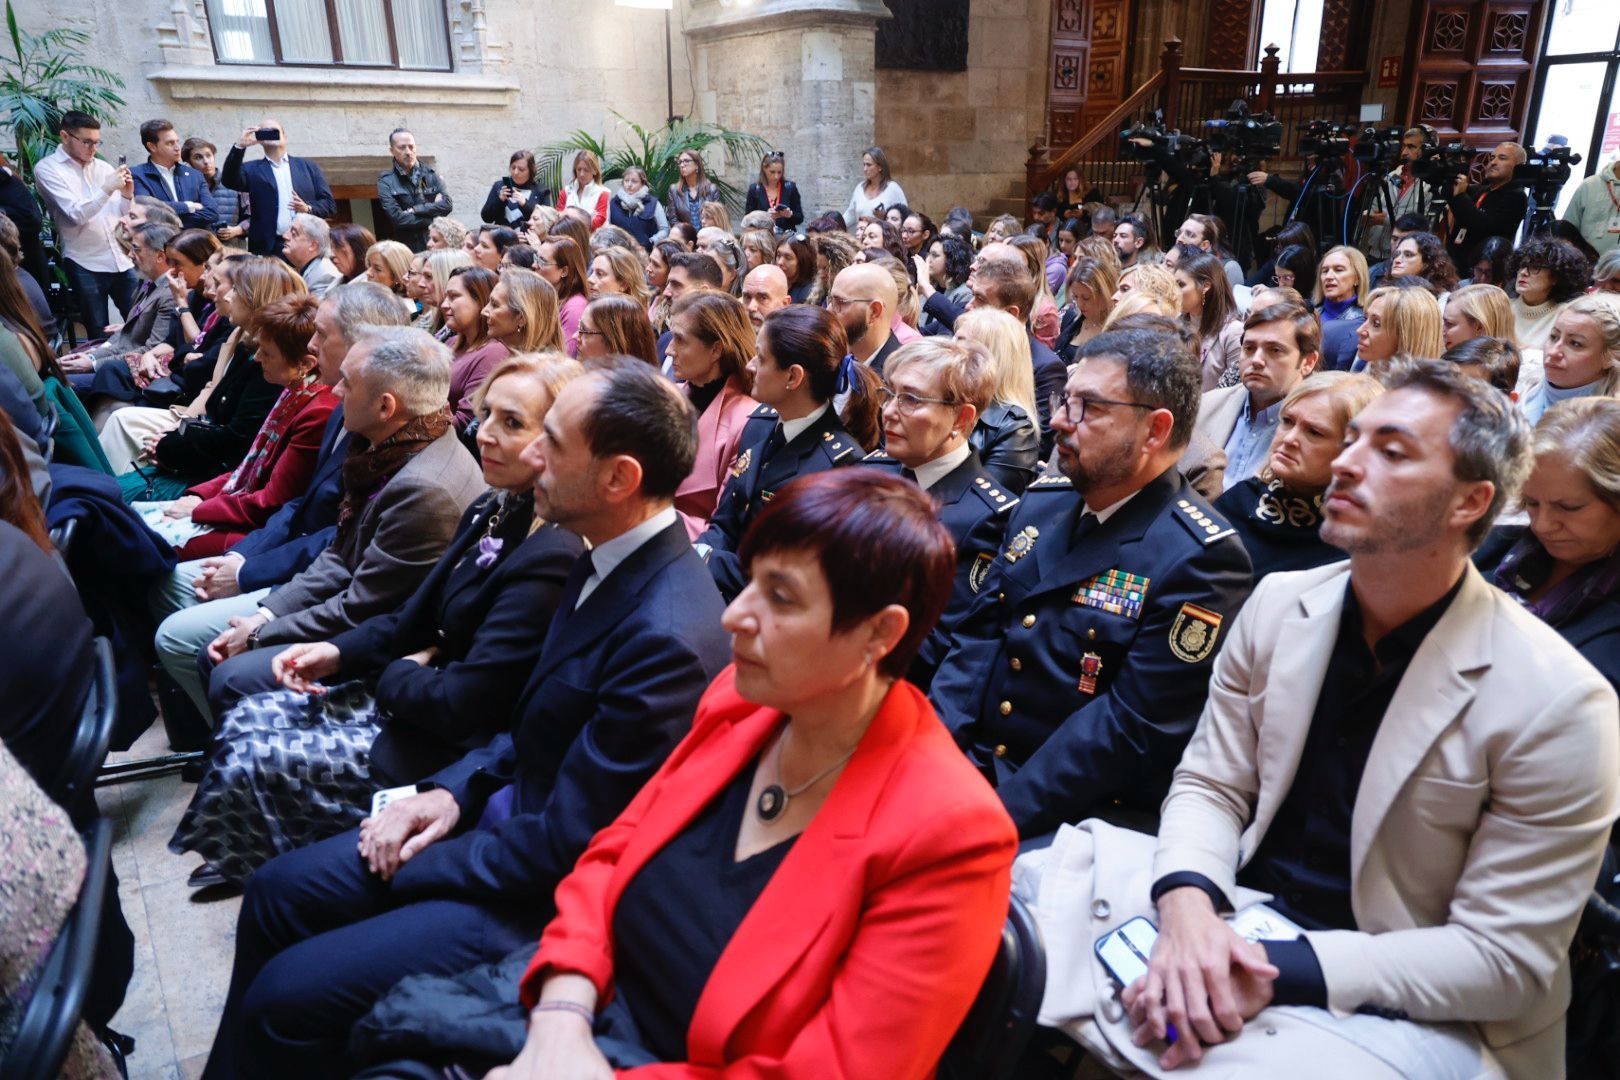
(520, 80)
(800, 75)
(961, 138)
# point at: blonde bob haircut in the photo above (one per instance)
(1489, 309)
(449, 230)
(1414, 316)
(255, 284)
(1346, 394)
(1101, 276)
(965, 369)
(1585, 432)
(533, 297)
(1156, 282)
(394, 257)
(553, 368)
(1358, 267)
(1006, 341)
(717, 318)
(1604, 310)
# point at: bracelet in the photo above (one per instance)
(581, 1011)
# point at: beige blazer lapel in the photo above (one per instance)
(1304, 646)
(1439, 684)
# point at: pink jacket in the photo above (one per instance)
(719, 429)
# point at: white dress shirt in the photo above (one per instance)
(606, 556)
(167, 173)
(792, 429)
(85, 215)
(282, 171)
(930, 473)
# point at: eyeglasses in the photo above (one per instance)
(544, 264)
(1073, 409)
(91, 143)
(838, 303)
(585, 331)
(774, 155)
(906, 401)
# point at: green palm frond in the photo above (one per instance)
(45, 76)
(655, 150)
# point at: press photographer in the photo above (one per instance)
(1318, 198)
(1494, 208)
(1402, 191)
(1175, 165)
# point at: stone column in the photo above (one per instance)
(797, 72)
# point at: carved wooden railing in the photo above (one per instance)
(1189, 96)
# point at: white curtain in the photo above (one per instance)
(241, 31)
(419, 26)
(363, 29)
(306, 37)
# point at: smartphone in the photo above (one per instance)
(382, 798)
(123, 159)
(1124, 951)
(268, 134)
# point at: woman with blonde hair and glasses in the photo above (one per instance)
(1403, 323)
(615, 325)
(618, 270)
(711, 342)
(1007, 436)
(586, 192)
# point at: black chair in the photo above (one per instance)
(45, 1031)
(992, 1038)
(74, 785)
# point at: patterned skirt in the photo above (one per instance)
(285, 770)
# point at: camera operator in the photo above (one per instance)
(1318, 210)
(1595, 208)
(1407, 194)
(1159, 157)
(1494, 208)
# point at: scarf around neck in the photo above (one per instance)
(1527, 564)
(254, 470)
(367, 470)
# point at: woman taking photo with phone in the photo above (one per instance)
(774, 195)
(513, 197)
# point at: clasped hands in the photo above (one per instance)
(1203, 978)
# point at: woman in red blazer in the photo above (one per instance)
(860, 952)
(711, 341)
(279, 464)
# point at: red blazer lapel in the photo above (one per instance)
(814, 880)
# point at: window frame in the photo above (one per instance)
(1591, 156)
(335, 32)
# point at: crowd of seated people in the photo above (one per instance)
(674, 643)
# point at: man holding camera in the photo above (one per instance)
(1494, 208)
(1407, 195)
(277, 187)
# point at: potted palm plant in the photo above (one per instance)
(43, 77)
(656, 150)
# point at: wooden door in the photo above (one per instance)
(1471, 66)
(1088, 65)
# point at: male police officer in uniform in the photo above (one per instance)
(1077, 677)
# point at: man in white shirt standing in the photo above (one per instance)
(85, 197)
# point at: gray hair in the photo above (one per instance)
(1607, 266)
(362, 306)
(410, 364)
(1489, 440)
(155, 234)
(1161, 372)
(318, 231)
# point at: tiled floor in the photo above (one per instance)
(182, 948)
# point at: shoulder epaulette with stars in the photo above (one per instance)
(1206, 528)
(764, 412)
(998, 501)
(1050, 482)
(837, 449)
(878, 457)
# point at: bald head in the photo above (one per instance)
(764, 290)
(864, 299)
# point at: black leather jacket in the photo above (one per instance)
(412, 201)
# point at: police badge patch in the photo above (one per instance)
(980, 569)
(1022, 544)
(1193, 634)
(744, 459)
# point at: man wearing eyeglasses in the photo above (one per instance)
(1079, 673)
(86, 196)
(864, 299)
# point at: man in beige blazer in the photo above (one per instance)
(1437, 843)
(1282, 344)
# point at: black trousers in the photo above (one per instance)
(320, 939)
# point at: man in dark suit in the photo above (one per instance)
(200, 597)
(277, 187)
(463, 874)
(165, 177)
(1080, 671)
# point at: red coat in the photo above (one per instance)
(292, 464)
(870, 942)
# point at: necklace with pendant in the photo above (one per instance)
(773, 801)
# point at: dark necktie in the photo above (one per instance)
(577, 577)
(774, 442)
(909, 474)
(1084, 526)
